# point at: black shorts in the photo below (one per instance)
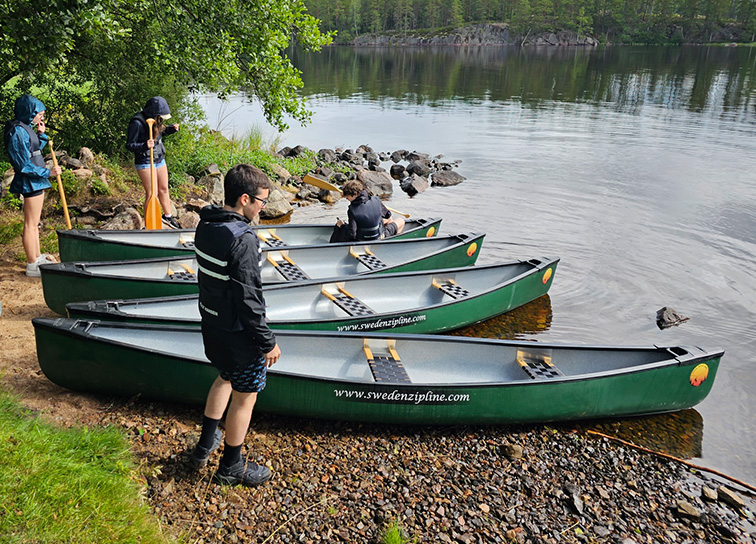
(237, 358)
(33, 193)
(390, 229)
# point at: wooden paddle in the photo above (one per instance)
(152, 218)
(322, 183)
(60, 187)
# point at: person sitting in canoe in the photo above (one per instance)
(368, 218)
(235, 334)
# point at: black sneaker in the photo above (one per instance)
(244, 472)
(199, 456)
(170, 222)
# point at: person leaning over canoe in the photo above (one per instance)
(237, 339)
(139, 143)
(368, 218)
(30, 176)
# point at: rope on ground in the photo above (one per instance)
(673, 458)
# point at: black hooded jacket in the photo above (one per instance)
(230, 284)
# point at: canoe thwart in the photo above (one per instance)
(386, 367)
(347, 302)
(368, 259)
(287, 268)
(451, 288)
(537, 364)
(187, 274)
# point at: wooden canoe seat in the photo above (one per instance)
(347, 302)
(273, 241)
(368, 259)
(537, 364)
(451, 288)
(187, 274)
(386, 368)
(288, 268)
(186, 242)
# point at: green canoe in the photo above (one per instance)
(407, 302)
(117, 245)
(418, 379)
(74, 282)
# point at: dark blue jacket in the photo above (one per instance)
(25, 148)
(136, 140)
(230, 284)
(365, 213)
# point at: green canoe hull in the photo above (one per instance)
(76, 361)
(70, 282)
(88, 245)
(528, 280)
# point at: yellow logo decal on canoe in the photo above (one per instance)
(547, 276)
(431, 232)
(472, 249)
(699, 375)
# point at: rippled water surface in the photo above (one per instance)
(636, 166)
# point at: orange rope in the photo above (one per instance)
(673, 458)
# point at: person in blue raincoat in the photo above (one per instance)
(31, 177)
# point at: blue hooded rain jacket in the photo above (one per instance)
(25, 146)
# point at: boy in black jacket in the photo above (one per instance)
(237, 339)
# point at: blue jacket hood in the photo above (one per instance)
(26, 108)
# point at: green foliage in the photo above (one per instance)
(98, 187)
(48, 242)
(71, 184)
(10, 231)
(94, 64)
(663, 21)
(11, 201)
(67, 485)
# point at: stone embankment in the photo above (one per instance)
(475, 35)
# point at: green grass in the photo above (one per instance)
(394, 534)
(10, 231)
(67, 485)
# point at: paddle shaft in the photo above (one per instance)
(328, 186)
(152, 217)
(60, 187)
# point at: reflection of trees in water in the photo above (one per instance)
(530, 318)
(624, 78)
(679, 434)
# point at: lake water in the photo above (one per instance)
(636, 166)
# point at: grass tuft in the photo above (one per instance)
(67, 485)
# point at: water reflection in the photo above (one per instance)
(530, 318)
(699, 79)
(679, 434)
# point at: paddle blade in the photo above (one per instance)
(320, 182)
(152, 214)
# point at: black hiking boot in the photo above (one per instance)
(170, 222)
(244, 472)
(199, 456)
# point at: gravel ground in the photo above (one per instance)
(336, 482)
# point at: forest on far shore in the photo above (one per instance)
(609, 21)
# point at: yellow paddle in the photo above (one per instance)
(60, 187)
(152, 218)
(322, 183)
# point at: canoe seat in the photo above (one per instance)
(537, 364)
(368, 259)
(273, 241)
(347, 302)
(187, 274)
(288, 268)
(451, 288)
(386, 368)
